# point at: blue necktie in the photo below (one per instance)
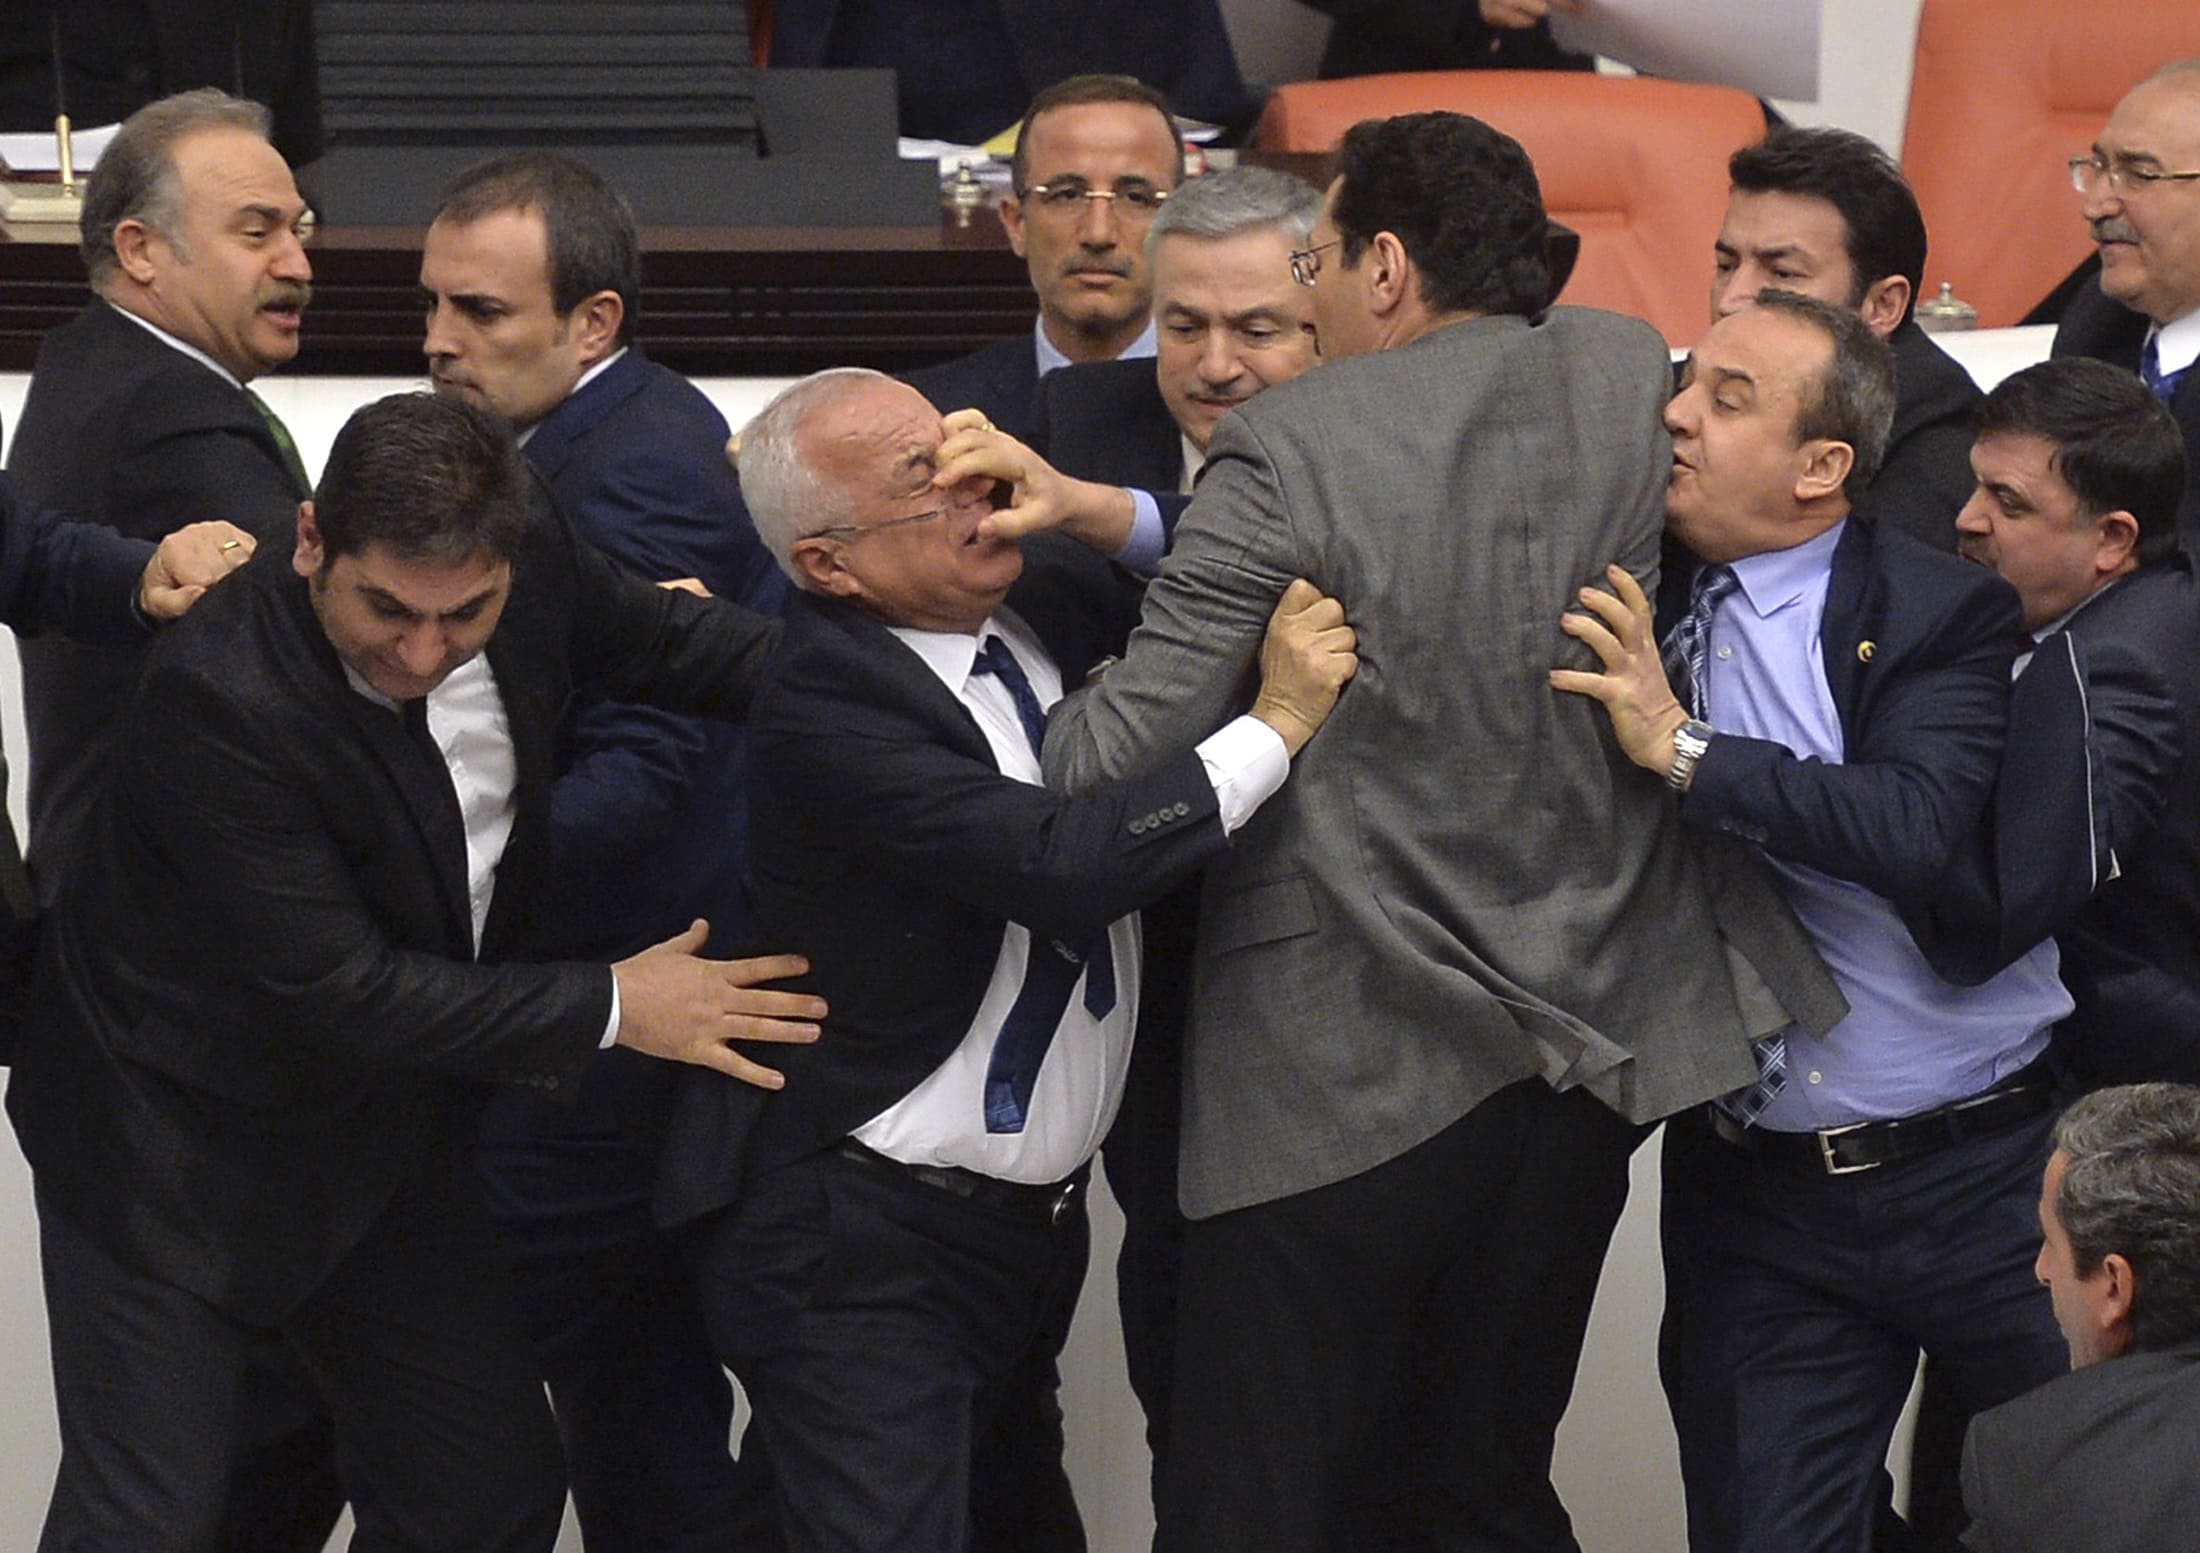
(2163, 385)
(1052, 968)
(1686, 654)
(1688, 645)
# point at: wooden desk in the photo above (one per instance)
(747, 302)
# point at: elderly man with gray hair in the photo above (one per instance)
(885, 1237)
(2107, 1457)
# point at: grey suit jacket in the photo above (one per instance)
(2106, 1458)
(1464, 883)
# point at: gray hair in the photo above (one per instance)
(786, 500)
(2132, 1186)
(1239, 199)
(136, 176)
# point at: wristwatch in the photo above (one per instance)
(1690, 740)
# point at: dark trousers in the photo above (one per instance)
(410, 1340)
(1382, 1363)
(884, 1328)
(643, 1407)
(1797, 1304)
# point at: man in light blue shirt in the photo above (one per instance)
(1836, 696)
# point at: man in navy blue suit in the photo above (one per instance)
(1872, 1193)
(532, 270)
(1097, 158)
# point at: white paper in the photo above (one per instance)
(34, 151)
(1766, 47)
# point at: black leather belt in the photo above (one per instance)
(1049, 1201)
(1841, 1151)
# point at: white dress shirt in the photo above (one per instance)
(1080, 1084)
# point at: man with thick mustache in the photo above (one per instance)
(2141, 188)
(138, 417)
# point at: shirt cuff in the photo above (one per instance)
(611, 1025)
(1141, 553)
(1246, 764)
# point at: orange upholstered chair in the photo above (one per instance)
(1637, 167)
(2003, 94)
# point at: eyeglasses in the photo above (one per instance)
(855, 531)
(1129, 201)
(1306, 263)
(2088, 172)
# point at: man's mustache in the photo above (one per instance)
(2114, 229)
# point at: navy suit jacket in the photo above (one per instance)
(1917, 648)
(2099, 326)
(2095, 834)
(648, 820)
(1926, 477)
(890, 849)
(260, 1007)
(121, 428)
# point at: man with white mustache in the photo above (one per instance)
(2141, 188)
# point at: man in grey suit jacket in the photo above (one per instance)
(2108, 1456)
(1446, 978)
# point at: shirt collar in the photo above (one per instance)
(1774, 579)
(1140, 349)
(2177, 343)
(185, 346)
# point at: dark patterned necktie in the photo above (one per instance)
(1052, 967)
(2163, 385)
(1687, 646)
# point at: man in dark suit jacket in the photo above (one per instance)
(1827, 213)
(2144, 315)
(1401, 1049)
(1869, 1195)
(1378, 37)
(2107, 1456)
(891, 1227)
(967, 67)
(2080, 471)
(1097, 157)
(138, 416)
(287, 962)
(533, 266)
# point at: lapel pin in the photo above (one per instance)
(1864, 652)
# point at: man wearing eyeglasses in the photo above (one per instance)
(894, 1234)
(1097, 158)
(2141, 189)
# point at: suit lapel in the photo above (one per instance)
(1841, 628)
(582, 411)
(909, 680)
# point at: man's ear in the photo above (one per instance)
(1388, 274)
(1825, 469)
(1011, 210)
(2112, 1306)
(2116, 536)
(818, 569)
(306, 558)
(133, 249)
(1885, 303)
(598, 319)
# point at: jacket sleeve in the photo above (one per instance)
(57, 574)
(1915, 777)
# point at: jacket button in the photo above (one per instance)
(1182, 809)
(1138, 827)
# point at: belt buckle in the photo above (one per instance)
(1825, 1137)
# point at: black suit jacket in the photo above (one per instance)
(259, 999)
(2099, 326)
(1926, 477)
(890, 848)
(1002, 379)
(1017, 47)
(2106, 1458)
(1917, 648)
(1107, 421)
(1379, 37)
(121, 428)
